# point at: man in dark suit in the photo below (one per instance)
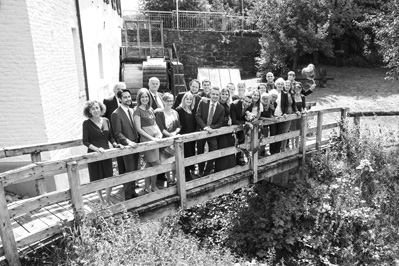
(111, 104)
(237, 113)
(126, 134)
(194, 87)
(209, 116)
(156, 97)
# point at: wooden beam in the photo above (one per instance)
(126, 177)
(217, 176)
(24, 206)
(2, 153)
(302, 147)
(254, 160)
(37, 148)
(281, 168)
(374, 113)
(326, 126)
(210, 155)
(40, 184)
(180, 173)
(6, 232)
(344, 115)
(277, 156)
(356, 121)
(76, 194)
(280, 137)
(319, 130)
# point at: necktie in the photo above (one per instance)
(130, 117)
(210, 115)
(156, 100)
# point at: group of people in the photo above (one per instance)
(158, 116)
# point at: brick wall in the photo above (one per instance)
(42, 87)
(21, 110)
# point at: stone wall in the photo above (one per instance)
(214, 50)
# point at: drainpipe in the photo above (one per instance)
(82, 49)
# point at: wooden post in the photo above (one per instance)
(180, 172)
(344, 114)
(76, 194)
(356, 121)
(40, 184)
(304, 130)
(254, 148)
(6, 232)
(319, 130)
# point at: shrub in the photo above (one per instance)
(329, 217)
(123, 240)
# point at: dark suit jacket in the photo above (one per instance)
(179, 97)
(237, 114)
(202, 115)
(122, 127)
(111, 104)
(154, 104)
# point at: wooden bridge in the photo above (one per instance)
(26, 223)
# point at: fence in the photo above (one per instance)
(11, 242)
(193, 20)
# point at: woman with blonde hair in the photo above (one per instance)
(169, 124)
(146, 126)
(188, 125)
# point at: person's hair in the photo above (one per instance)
(89, 105)
(241, 83)
(195, 80)
(258, 102)
(215, 88)
(265, 94)
(230, 83)
(279, 80)
(166, 96)
(121, 85)
(248, 94)
(291, 72)
(153, 78)
(206, 80)
(273, 92)
(262, 84)
(187, 94)
(119, 94)
(269, 73)
(225, 89)
(140, 93)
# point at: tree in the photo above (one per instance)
(292, 28)
(169, 5)
(385, 25)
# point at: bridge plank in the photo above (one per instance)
(62, 211)
(275, 168)
(277, 156)
(24, 206)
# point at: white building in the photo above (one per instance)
(54, 55)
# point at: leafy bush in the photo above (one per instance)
(123, 240)
(329, 217)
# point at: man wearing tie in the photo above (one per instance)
(111, 104)
(126, 134)
(156, 97)
(209, 116)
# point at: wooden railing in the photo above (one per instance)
(39, 170)
(356, 117)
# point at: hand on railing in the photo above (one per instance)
(132, 144)
(100, 150)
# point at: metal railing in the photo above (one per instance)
(193, 20)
